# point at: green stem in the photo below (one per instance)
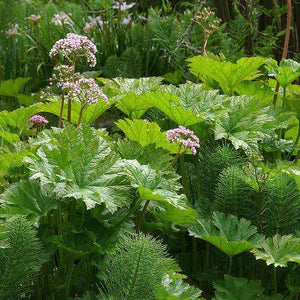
(69, 109)
(230, 265)
(139, 222)
(283, 97)
(275, 280)
(61, 109)
(69, 278)
(176, 157)
(184, 177)
(37, 131)
(297, 157)
(80, 114)
(195, 254)
(130, 212)
(206, 261)
(295, 143)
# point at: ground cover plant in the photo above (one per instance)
(117, 184)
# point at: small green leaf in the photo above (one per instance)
(173, 288)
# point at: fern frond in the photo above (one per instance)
(137, 268)
(20, 261)
(234, 195)
(281, 210)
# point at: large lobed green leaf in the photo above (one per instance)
(234, 288)
(153, 185)
(27, 198)
(78, 163)
(228, 233)
(146, 133)
(228, 75)
(279, 250)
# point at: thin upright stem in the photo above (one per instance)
(80, 114)
(295, 143)
(286, 44)
(230, 265)
(176, 157)
(61, 109)
(139, 222)
(69, 278)
(275, 280)
(69, 109)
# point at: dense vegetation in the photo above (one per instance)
(149, 152)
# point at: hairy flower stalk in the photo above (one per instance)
(209, 24)
(86, 91)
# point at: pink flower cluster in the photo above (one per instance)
(86, 89)
(75, 45)
(184, 137)
(38, 120)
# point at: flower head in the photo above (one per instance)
(184, 137)
(208, 20)
(126, 21)
(93, 23)
(12, 30)
(38, 120)
(34, 18)
(62, 19)
(123, 6)
(77, 45)
(85, 89)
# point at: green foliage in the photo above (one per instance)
(130, 63)
(28, 198)
(282, 205)
(21, 259)
(247, 123)
(279, 250)
(152, 185)
(12, 87)
(146, 133)
(173, 287)
(233, 288)
(158, 159)
(287, 71)
(111, 68)
(234, 195)
(207, 104)
(228, 233)
(213, 159)
(89, 115)
(78, 163)
(136, 268)
(228, 75)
